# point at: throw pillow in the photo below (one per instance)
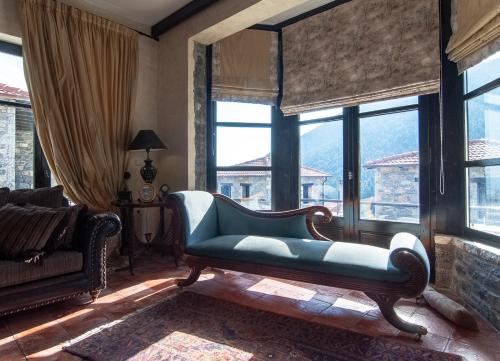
(64, 234)
(4, 195)
(44, 197)
(26, 229)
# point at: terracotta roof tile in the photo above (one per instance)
(266, 162)
(7, 91)
(478, 149)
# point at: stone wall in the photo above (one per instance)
(200, 116)
(472, 271)
(7, 146)
(16, 147)
(397, 185)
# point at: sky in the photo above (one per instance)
(11, 71)
(237, 145)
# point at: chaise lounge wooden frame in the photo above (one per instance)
(385, 294)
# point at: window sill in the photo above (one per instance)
(478, 249)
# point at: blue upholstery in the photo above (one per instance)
(199, 215)
(336, 258)
(214, 228)
(234, 221)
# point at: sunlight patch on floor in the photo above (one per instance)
(155, 293)
(353, 305)
(206, 277)
(201, 348)
(282, 289)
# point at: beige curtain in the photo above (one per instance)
(81, 71)
(476, 31)
(245, 67)
(359, 52)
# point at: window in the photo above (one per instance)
(245, 190)
(306, 191)
(322, 160)
(482, 163)
(17, 134)
(243, 152)
(225, 189)
(389, 157)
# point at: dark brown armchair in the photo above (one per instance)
(62, 274)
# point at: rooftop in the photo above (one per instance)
(10, 92)
(478, 149)
(265, 161)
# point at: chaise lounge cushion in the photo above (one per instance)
(336, 258)
(58, 263)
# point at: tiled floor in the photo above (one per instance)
(38, 334)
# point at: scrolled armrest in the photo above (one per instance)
(408, 254)
(107, 223)
(97, 227)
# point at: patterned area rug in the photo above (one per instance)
(190, 326)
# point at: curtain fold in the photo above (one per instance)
(245, 67)
(476, 32)
(81, 72)
(359, 52)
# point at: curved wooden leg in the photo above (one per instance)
(94, 294)
(192, 278)
(386, 305)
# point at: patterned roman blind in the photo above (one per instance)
(476, 31)
(359, 52)
(245, 67)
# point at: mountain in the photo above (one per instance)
(381, 136)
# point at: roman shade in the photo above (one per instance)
(359, 52)
(245, 67)
(476, 31)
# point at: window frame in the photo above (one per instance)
(213, 168)
(475, 234)
(330, 119)
(41, 170)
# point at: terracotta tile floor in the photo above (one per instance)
(38, 334)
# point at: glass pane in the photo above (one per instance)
(483, 125)
(482, 73)
(16, 126)
(243, 146)
(484, 199)
(243, 113)
(318, 114)
(387, 104)
(389, 182)
(251, 189)
(16, 147)
(322, 162)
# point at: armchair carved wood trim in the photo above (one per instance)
(406, 257)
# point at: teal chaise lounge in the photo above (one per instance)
(215, 231)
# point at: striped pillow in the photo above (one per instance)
(64, 234)
(25, 229)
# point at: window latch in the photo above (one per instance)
(350, 176)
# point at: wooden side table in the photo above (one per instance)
(129, 240)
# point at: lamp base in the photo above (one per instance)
(148, 171)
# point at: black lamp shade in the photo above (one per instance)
(146, 139)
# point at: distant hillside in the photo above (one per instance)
(379, 137)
